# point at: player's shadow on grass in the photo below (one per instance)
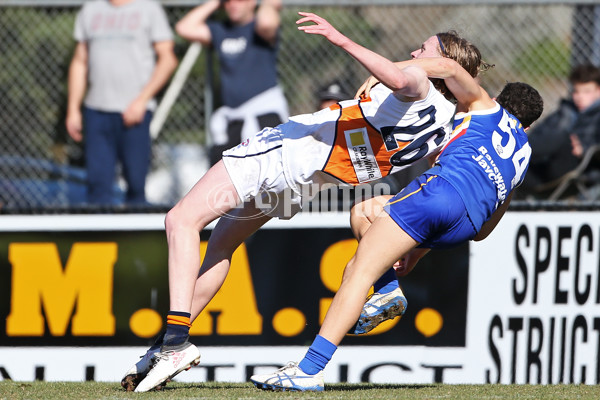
(329, 387)
(204, 385)
(367, 386)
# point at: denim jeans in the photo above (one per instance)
(108, 142)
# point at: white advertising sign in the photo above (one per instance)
(376, 364)
(534, 291)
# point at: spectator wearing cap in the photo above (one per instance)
(331, 94)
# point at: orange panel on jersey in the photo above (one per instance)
(359, 154)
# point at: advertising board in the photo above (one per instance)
(82, 297)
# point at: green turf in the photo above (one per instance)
(220, 390)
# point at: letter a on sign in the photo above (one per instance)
(235, 302)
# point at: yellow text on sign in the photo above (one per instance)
(38, 280)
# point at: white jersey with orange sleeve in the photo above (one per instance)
(357, 141)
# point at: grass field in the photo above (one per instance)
(220, 390)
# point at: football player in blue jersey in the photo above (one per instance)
(461, 198)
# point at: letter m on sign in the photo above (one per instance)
(85, 284)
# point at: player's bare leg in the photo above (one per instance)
(364, 212)
(231, 230)
(226, 237)
(212, 196)
(381, 245)
(388, 300)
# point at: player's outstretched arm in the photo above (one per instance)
(371, 81)
(410, 82)
(464, 87)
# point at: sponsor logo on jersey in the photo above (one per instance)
(485, 161)
(362, 155)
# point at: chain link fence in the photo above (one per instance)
(40, 167)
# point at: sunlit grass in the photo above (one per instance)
(223, 390)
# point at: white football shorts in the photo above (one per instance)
(255, 167)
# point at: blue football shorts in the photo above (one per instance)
(432, 212)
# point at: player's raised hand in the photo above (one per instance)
(321, 27)
(407, 263)
(365, 89)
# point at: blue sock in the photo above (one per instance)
(386, 283)
(318, 355)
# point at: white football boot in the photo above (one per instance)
(170, 361)
(291, 378)
(139, 370)
(379, 308)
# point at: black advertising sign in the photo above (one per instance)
(109, 288)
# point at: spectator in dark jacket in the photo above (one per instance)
(560, 140)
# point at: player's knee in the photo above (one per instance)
(360, 212)
(361, 215)
(355, 215)
(369, 208)
(170, 221)
(357, 221)
(176, 218)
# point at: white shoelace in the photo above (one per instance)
(163, 355)
(289, 365)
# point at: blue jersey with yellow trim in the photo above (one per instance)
(486, 158)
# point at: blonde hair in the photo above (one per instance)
(463, 52)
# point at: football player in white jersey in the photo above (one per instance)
(461, 198)
(412, 115)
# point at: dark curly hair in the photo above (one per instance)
(522, 101)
